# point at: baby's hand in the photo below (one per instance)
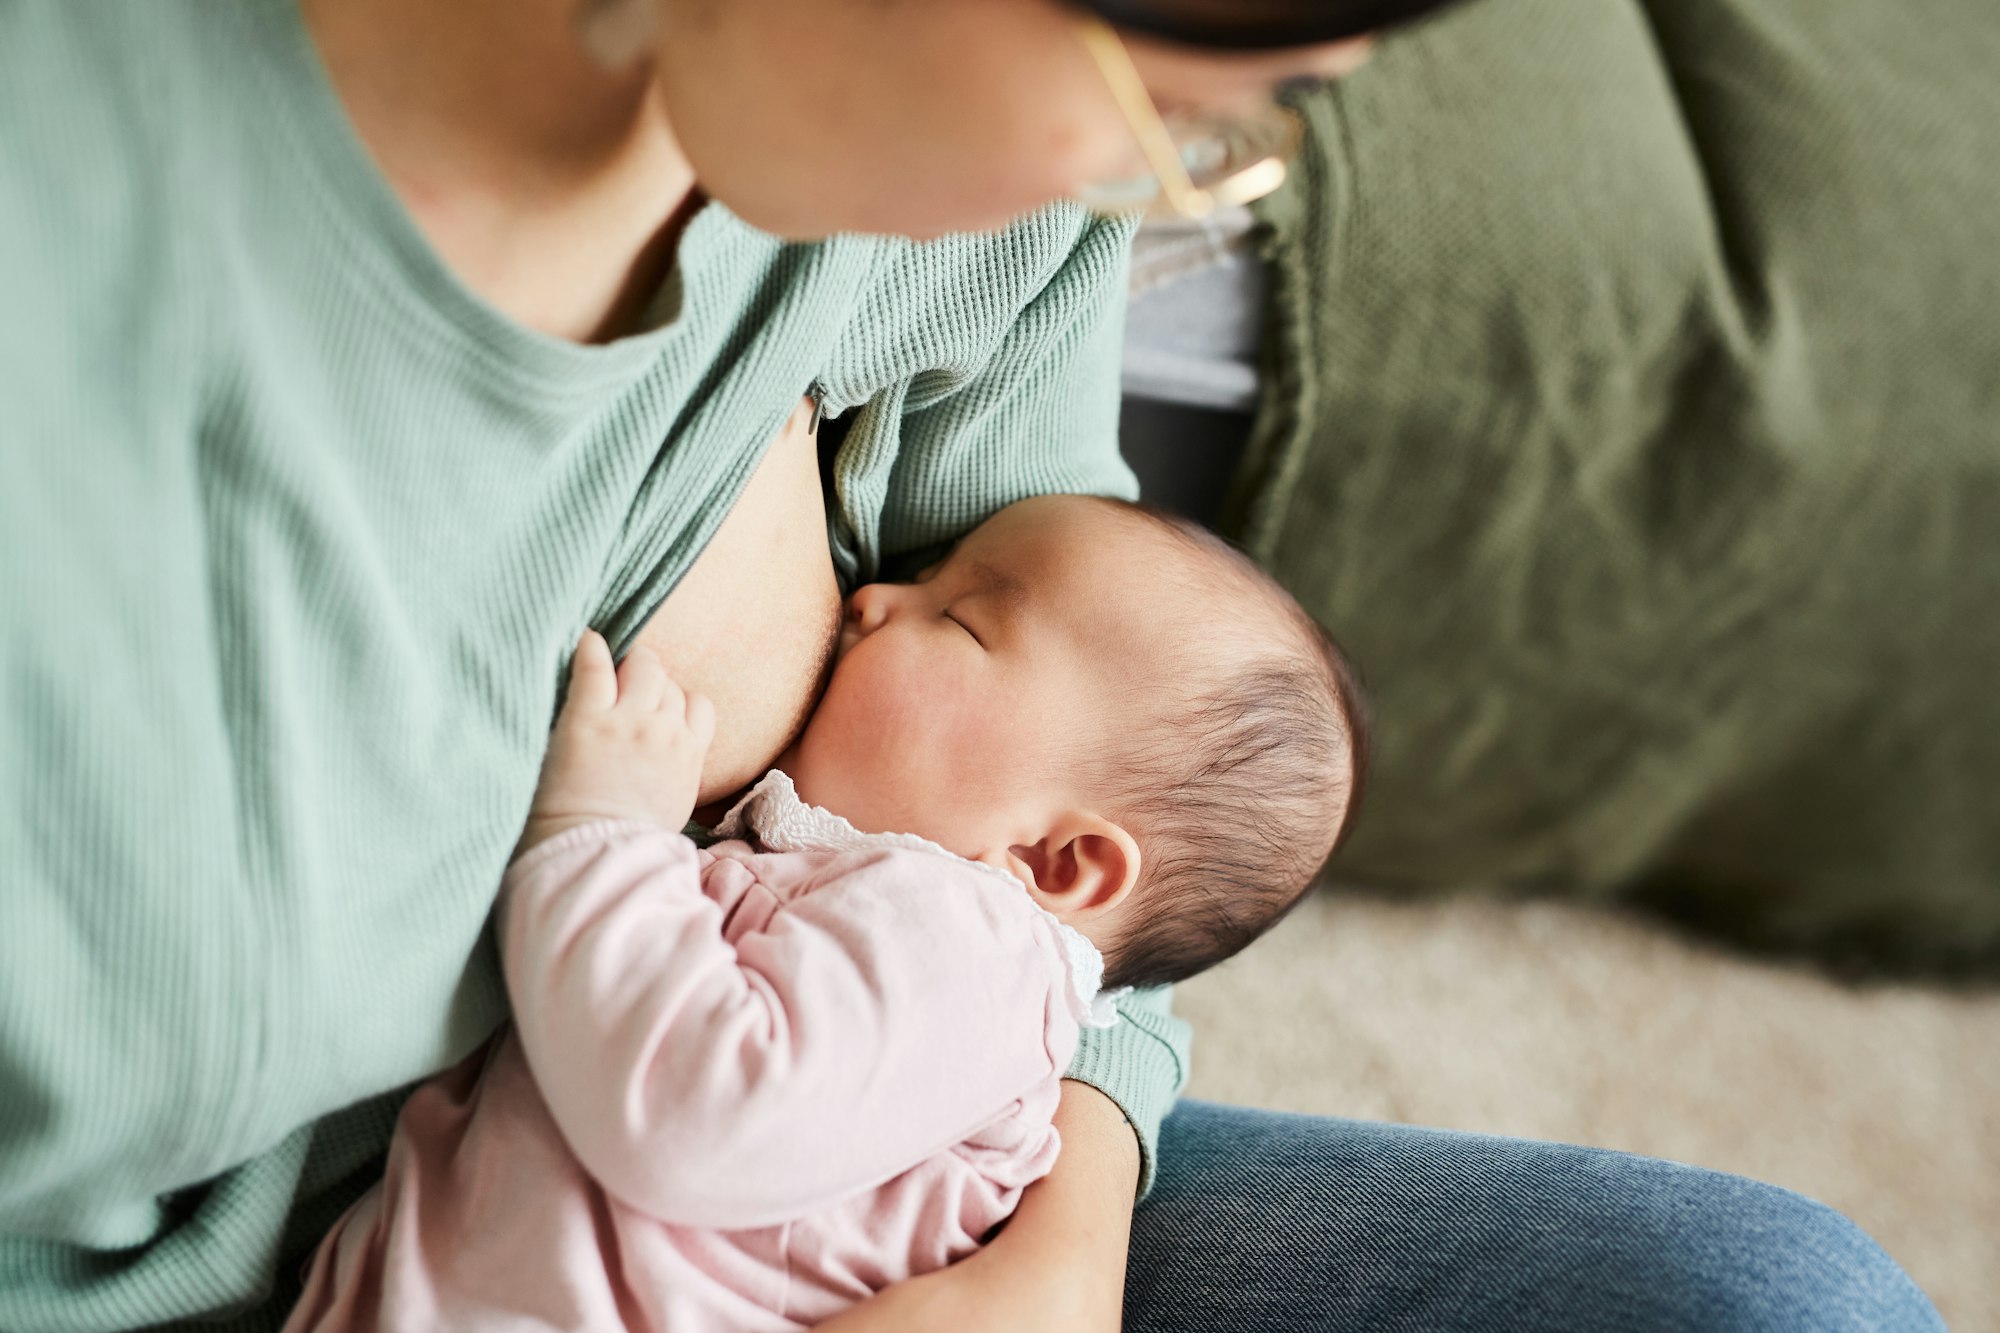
(627, 745)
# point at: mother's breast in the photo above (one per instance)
(752, 625)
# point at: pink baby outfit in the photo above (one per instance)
(744, 1090)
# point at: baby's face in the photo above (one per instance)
(959, 704)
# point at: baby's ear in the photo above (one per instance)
(1084, 865)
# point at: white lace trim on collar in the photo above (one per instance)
(773, 813)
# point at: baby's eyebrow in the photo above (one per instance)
(1003, 586)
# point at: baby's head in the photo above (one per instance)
(1111, 704)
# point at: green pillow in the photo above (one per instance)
(1633, 417)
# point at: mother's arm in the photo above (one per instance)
(1060, 1260)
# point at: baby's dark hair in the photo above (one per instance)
(1247, 784)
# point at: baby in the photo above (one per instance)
(751, 1085)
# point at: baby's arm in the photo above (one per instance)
(878, 1019)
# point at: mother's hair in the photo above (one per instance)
(1259, 24)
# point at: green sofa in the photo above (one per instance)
(1632, 413)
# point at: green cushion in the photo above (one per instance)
(1634, 418)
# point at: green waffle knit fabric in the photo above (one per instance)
(1635, 421)
(295, 538)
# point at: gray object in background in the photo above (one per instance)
(1190, 371)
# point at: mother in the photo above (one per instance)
(354, 359)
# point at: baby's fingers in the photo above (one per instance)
(593, 682)
(701, 719)
(642, 679)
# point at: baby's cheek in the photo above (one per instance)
(867, 747)
(980, 738)
(987, 727)
(931, 738)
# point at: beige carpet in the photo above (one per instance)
(1559, 1023)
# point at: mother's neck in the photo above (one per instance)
(552, 186)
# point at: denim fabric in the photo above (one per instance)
(1262, 1222)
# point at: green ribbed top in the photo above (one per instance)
(295, 535)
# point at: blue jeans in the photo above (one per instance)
(1268, 1223)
